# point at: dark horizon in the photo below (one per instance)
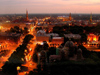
(52, 13)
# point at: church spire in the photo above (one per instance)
(70, 18)
(91, 17)
(27, 15)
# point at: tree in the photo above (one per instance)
(25, 30)
(16, 27)
(83, 37)
(45, 45)
(27, 38)
(52, 51)
(85, 52)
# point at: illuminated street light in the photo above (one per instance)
(26, 58)
(18, 68)
(41, 43)
(22, 59)
(31, 64)
(30, 49)
(25, 73)
(0, 69)
(7, 60)
(39, 54)
(39, 58)
(25, 51)
(29, 57)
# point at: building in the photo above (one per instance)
(3, 45)
(9, 37)
(70, 17)
(65, 18)
(41, 36)
(91, 17)
(56, 41)
(53, 34)
(93, 40)
(27, 19)
(74, 36)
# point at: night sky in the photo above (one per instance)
(49, 6)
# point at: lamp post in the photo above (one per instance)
(39, 57)
(0, 69)
(18, 68)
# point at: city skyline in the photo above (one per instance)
(49, 6)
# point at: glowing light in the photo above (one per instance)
(30, 64)
(30, 57)
(13, 50)
(25, 51)
(88, 45)
(30, 49)
(0, 69)
(25, 73)
(39, 54)
(94, 39)
(22, 59)
(89, 39)
(29, 30)
(28, 44)
(7, 21)
(41, 43)
(0, 27)
(26, 58)
(18, 68)
(7, 60)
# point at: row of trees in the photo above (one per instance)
(73, 29)
(16, 58)
(16, 29)
(83, 31)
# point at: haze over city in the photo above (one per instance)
(49, 6)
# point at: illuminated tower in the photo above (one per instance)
(27, 15)
(91, 17)
(70, 18)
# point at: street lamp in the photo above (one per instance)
(18, 68)
(25, 73)
(30, 49)
(22, 59)
(39, 57)
(0, 69)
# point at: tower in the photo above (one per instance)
(27, 15)
(70, 18)
(91, 17)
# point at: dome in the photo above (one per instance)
(41, 32)
(79, 50)
(65, 48)
(60, 46)
(69, 44)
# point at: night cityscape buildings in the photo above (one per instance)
(49, 44)
(26, 43)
